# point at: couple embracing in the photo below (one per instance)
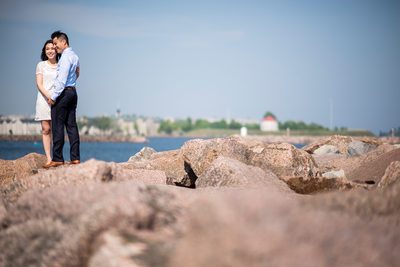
(56, 103)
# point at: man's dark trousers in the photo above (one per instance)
(63, 113)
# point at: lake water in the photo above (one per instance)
(117, 152)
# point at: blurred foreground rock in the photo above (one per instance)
(243, 203)
(254, 228)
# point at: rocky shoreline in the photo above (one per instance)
(217, 202)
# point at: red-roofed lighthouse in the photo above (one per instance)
(269, 124)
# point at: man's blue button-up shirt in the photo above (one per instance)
(66, 72)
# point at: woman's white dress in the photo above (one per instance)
(49, 75)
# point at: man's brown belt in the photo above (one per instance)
(70, 88)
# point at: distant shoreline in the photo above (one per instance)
(305, 139)
(83, 138)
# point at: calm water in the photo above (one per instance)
(117, 152)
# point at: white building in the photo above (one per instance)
(147, 127)
(19, 126)
(127, 127)
(269, 124)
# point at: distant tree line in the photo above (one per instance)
(187, 125)
(168, 127)
(103, 123)
(300, 125)
(292, 125)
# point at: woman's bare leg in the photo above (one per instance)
(46, 133)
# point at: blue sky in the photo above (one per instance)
(215, 58)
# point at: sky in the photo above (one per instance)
(214, 59)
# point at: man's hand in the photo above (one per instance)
(51, 102)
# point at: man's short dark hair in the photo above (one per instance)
(60, 35)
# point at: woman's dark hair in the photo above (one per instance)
(43, 56)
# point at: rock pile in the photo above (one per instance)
(217, 202)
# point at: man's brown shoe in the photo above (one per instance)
(74, 162)
(53, 164)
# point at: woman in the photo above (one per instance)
(46, 71)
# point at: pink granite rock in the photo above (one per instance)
(171, 162)
(20, 168)
(373, 170)
(392, 174)
(334, 162)
(341, 142)
(89, 171)
(230, 172)
(282, 159)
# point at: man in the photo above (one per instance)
(63, 102)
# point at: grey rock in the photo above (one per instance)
(359, 148)
(144, 154)
(334, 174)
(326, 149)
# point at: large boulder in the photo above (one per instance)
(89, 171)
(282, 159)
(171, 162)
(230, 172)
(359, 148)
(340, 142)
(334, 162)
(20, 168)
(392, 174)
(373, 170)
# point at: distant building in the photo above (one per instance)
(269, 124)
(127, 127)
(19, 125)
(147, 127)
